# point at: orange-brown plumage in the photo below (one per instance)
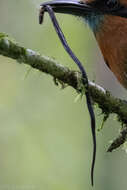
(112, 39)
(124, 2)
(111, 32)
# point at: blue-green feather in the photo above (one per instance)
(94, 21)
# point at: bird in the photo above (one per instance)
(108, 21)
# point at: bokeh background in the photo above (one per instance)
(45, 138)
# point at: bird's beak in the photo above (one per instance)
(80, 8)
(74, 7)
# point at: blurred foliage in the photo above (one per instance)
(45, 138)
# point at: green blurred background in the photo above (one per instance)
(45, 138)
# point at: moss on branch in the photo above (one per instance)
(105, 101)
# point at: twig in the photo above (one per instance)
(119, 140)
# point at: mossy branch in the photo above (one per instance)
(105, 101)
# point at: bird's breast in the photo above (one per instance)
(112, 40)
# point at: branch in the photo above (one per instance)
(119, 140)
(105, 101)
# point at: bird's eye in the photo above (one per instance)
(112, 4)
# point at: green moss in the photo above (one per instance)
(2, 35)
(106, 116)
